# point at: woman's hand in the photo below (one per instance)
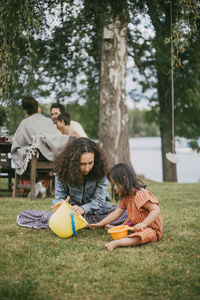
(140, 226)
(78, 210)
(94, 226)
(58, 204)
(55, 206)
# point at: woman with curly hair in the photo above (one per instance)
(81, 174)
(81, 171)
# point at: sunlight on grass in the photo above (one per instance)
(36, 264)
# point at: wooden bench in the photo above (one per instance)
(38, 169)
(5, 164)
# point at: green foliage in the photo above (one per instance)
(15, 115)
(65, 62)
(11, 115)
(18, 21)
(195, 145)
(2, 115)
(152, 57)
(140, 124)
(86, 115)
(38, 58)
(46, 109)
(187, 99)
(185, 20)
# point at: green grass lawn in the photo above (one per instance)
(36, 264)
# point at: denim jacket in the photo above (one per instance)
(94, 200)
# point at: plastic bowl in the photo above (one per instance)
(119, 232)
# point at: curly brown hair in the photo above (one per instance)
(67, 164)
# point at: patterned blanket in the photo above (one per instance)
(39, 219)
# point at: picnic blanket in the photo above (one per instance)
(35, 134)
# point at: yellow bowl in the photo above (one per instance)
(119, 232)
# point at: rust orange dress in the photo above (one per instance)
(137, 214)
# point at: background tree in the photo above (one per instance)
(113, 120)
(152, 57)
(19, 21)
(2, 116)
(71, 56)
(139, 125)
(64, 59)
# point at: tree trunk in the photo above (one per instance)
(164, 89)
(113, 116)
(169, 169)
(163, 69)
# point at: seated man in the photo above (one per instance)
(35, 130)
(57, 109)
(35, 134)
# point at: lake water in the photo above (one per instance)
(146, 159)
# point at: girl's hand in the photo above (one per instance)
(94, 226)
(126, 222)
(140, 226)
(78, 210)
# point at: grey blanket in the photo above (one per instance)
(35, 133)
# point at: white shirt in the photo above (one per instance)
(78, 128)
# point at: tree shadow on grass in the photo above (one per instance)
(21, 288)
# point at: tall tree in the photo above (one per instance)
(163, 65)
(19, 20)
(68, 61)
(153, 59)
(113, 116)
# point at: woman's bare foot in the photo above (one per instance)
(108, 226)
(111, 245)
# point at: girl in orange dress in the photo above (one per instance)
(142, 208)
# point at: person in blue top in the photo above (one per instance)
(81, 171)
